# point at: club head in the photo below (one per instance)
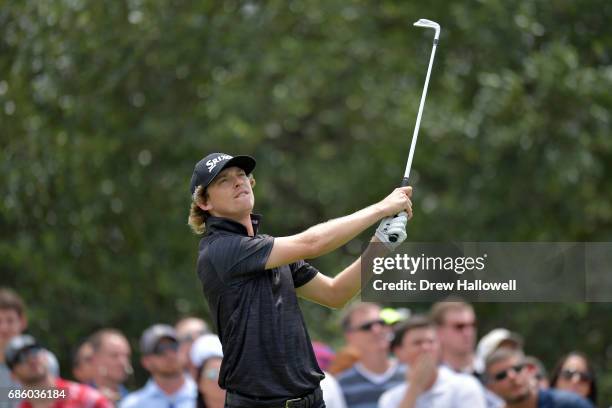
(423, 22)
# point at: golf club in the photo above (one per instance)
(427, 24)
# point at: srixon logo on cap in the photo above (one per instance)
(212, 163)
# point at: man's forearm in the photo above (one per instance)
(410, 397)
(348, 282)
(327, 236)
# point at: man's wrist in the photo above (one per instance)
(414, 391)
(378, 211)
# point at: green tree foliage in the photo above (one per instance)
(105, 107)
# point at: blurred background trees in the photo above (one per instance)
(106, 106)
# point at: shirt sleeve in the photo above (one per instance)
(237, 258)
(564, 399)
(302, 273)
(469, 392)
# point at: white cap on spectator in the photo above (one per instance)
(491, 342)
(205, 347)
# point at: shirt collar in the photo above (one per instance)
(214, 224)
(188, 390)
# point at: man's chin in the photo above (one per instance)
(518, 398)
(171, 373)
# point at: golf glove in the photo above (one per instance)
(392, 226)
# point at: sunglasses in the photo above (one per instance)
(188, 338)
(368, 326)
(571, 374)
(502, 375)
(24, 355)
(463, 326)
(161, 348)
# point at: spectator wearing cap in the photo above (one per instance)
(206, 355)
(367, 333)
(494, 340)
(509, 376)
(29, 365)
(169, 386)
(111, 363)
(426, 383)
(188, 329)
(13, 322)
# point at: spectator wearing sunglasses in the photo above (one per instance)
(206, 355)
(574, 373)
(188, 329)
(29, 364)
(508, 375)
(168, 386)
(375, 372)
(456, 326)
(427, 384)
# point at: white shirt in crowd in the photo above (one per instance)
(451, 390)
(332, 393)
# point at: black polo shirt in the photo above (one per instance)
(266, 348)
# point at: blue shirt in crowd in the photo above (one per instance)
(151, 396)
(561, 399)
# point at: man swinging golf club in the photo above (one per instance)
(251, 282)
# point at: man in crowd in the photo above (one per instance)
(367, 333)
(29, 365)
(188, 329)
(111, 363)
(168, 386)
(508, 375)
(494, 340)
(456, 326)
(426, 384)
(13, 322)
(82, 367)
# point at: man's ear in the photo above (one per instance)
(205, 206)
(252, 181)
(145, 362)
(23, 322)
(203, 202)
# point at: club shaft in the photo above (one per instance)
(415, 134)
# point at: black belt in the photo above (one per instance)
(237, 400)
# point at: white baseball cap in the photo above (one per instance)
(205, 347)
(491, 342)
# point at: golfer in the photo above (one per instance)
(250, 282)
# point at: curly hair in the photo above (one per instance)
(197, 216)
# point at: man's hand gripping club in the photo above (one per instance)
(392, 229)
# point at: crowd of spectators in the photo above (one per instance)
(390, 359)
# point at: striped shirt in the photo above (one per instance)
(362, 388)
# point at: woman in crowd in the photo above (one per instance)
(206, 354)
(574, 373)
(210, 395)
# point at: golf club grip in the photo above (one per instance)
(404, 183)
